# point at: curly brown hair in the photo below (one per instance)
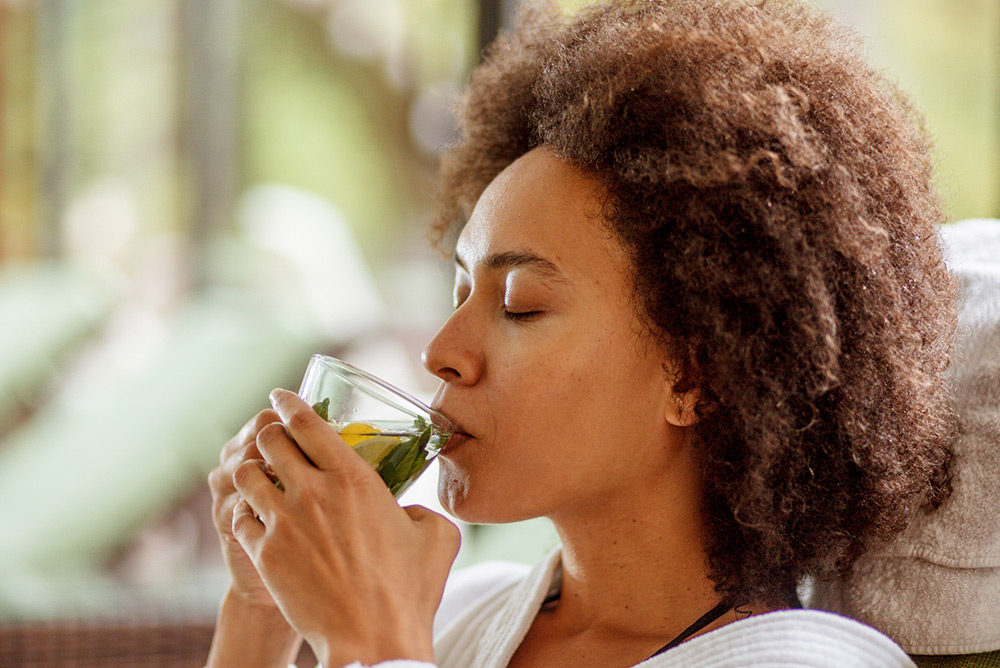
(777, 197)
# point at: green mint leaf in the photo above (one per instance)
(388, 468)
(322, 408)
(407, 459)
(414, 461)
(418, 464)
(406, 464)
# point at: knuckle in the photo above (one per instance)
(220, 480)
(269, 433)
(242, 475)
(244, 516)
(308, 486)
(357, 482)
(300, 419)
(262, 420)
(249, 430)
(241, 437)
(222, 511)
(250, 451)
(232, 445)
(239, 524)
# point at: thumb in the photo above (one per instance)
(436, 527)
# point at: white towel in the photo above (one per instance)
(936, 590)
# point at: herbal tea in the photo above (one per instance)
(399, 451)
(396, 433)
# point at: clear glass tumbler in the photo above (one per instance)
(397, 434)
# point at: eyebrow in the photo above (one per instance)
(519, 258)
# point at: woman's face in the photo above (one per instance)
(567, 405)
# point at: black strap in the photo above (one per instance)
(722, 608)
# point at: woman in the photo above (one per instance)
(701, 322)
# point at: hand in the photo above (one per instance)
(245, 583)
(359, 577)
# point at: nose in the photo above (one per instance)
(454, 354)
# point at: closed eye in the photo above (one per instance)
(520, 316)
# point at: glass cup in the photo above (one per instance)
(397, 434)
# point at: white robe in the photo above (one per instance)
(488, 609)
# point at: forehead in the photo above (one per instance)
(545, 206)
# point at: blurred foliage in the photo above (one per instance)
(18, 191)
(338, 124)
(945, 54)
(321, 121)
(96, 90)
(947, 57)
(310, 123)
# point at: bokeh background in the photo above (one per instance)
(195, 195)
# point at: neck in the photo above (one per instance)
(636, 566)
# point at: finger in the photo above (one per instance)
(224, 511)
(248, 433)
(281, 452)
(220, 483)
(247, 436)
(247, 528)
(321, 444)
(256, 488)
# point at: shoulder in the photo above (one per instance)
(800, 638)
(472, 586)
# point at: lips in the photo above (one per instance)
(456, 440)
(458, 436)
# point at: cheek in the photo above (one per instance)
(572, 394)
(544, 408)
(557, 419)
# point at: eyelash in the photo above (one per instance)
(519, 317)
(513, 316)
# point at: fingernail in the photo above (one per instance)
(273, 397)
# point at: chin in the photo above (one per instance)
(478, 504)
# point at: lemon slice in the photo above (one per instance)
(364, 439)
(354, 433)
(374, 449)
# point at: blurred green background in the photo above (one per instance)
(197, 194)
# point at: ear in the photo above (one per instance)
(681, 396)
(679, 407)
